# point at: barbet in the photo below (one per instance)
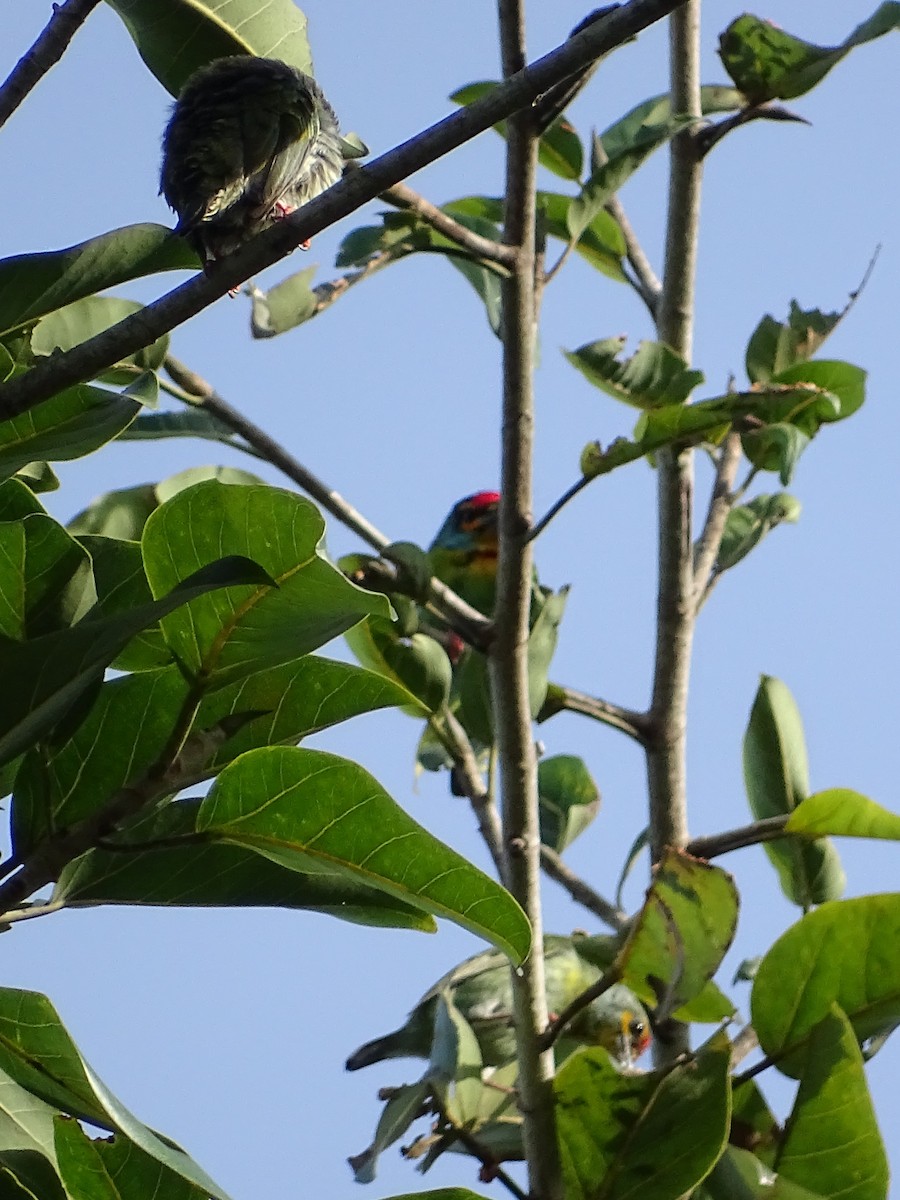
(481, 990)
(249, 141)
(464, 553)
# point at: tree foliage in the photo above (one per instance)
(164, 675)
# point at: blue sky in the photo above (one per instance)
(228, 1030)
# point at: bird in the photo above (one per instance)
(481, 990)
(464, 551)
(249, 141)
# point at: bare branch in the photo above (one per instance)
(581, 892)
(557, 505)
(403, 197)
(456, 742)
(143, 328)
(767, 830)
(49, 48)
(566, 699)
(721, 503)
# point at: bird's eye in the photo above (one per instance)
(637, 1029)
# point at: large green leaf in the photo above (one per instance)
(740, 1175)
(34, 284)
(175, 37)
(42, 1065)
(55, 670)
(417, 663)
(114, 1168)
(831, 1143)
(70, 425)
(776, 345)
(240, 632)
(776, 776)
(26, 1174)
(45, 576)
(652, 1136)
(768, 64)
(151, 867)
(843, 953)
(304, 807)
(682, 931)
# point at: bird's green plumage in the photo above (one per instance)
(464, 552)
(481, 990)
(250, 139)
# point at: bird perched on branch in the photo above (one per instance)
(464, 553)
(249, 141)
(481, 990)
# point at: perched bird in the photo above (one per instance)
(249, 141)
(464, 553)
(481, 990)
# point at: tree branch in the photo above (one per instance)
(566, 699)
(581, 892)
(676, 609)
(142, 328)
(767, 830)
(509, 654)
(456, 742)
(721, 503)
(47, 50)
(403, 197)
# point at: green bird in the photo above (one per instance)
(464, 552)
(249, 141)
(481, 990)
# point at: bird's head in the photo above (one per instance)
(471, 525)
(619, 1022)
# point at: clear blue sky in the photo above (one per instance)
(228, 1030)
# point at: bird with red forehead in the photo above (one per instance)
(464, 553)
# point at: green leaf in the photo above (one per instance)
(709, 1007)
(45, 577)
(775, 448)
(27, 1175)
(456, 1058)
(542, 642)
(775, 345)
(559, 149)
(449, 1193)
(642, 124)
(747, 524)
(176, 37)
(569, 799)
(653, 376)
(843, 385)
(41, 1067)
(416, 663)
(831, 1143)
(304, 807)
(740, 1175)
(776, 776)
(69, 326)
(284, 306)
(841, 812)
(189, 422)
(843, 953)
(682, 932)
(240, 632)
(70, 425)
(403, 1108)
(57, 669)
(114, 1168)
(32, 285)
(212, 874)
(768, 64)
(655, 1136)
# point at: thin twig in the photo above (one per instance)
(743, 1043)
(404, 197)
(29, 911)
(46, 51)
(566, 699)
(581, 892)
(456, 742)
(143, 327)
(721, 502)
(482, 1153)
(555, 508)
(769, 829)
